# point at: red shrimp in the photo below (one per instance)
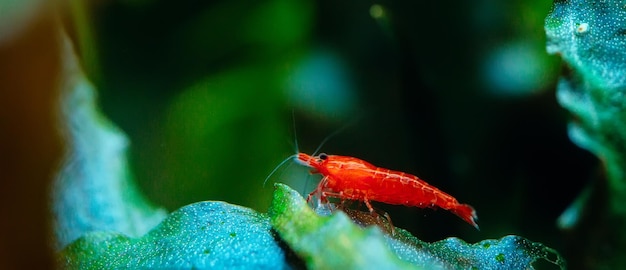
(349, 178)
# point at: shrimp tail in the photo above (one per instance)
(467, 213)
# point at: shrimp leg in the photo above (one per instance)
(376, 213)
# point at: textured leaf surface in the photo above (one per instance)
(509, 252)
(335, 241)
(590, 36)
(204, 235)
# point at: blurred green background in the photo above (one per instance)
(460, 94)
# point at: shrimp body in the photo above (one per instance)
(349, 178)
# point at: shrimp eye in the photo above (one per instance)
(323, 156)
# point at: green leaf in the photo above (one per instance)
(204, 235)
(590, 37)
(319, 239)
(509, 252)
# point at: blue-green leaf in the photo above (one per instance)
(204, 235)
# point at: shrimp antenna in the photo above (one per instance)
(293, 122)
(279, 165)
(295, 134)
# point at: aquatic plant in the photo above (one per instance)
(590, 36)
(102, 221)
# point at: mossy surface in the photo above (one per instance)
(590, 37)
(203, 235)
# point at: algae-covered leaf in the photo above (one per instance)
(509, 252)
(590, 36)
(332, 242)
(204, 235)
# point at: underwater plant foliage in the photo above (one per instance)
(590, 37)
(203, 235)
(103, 222)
